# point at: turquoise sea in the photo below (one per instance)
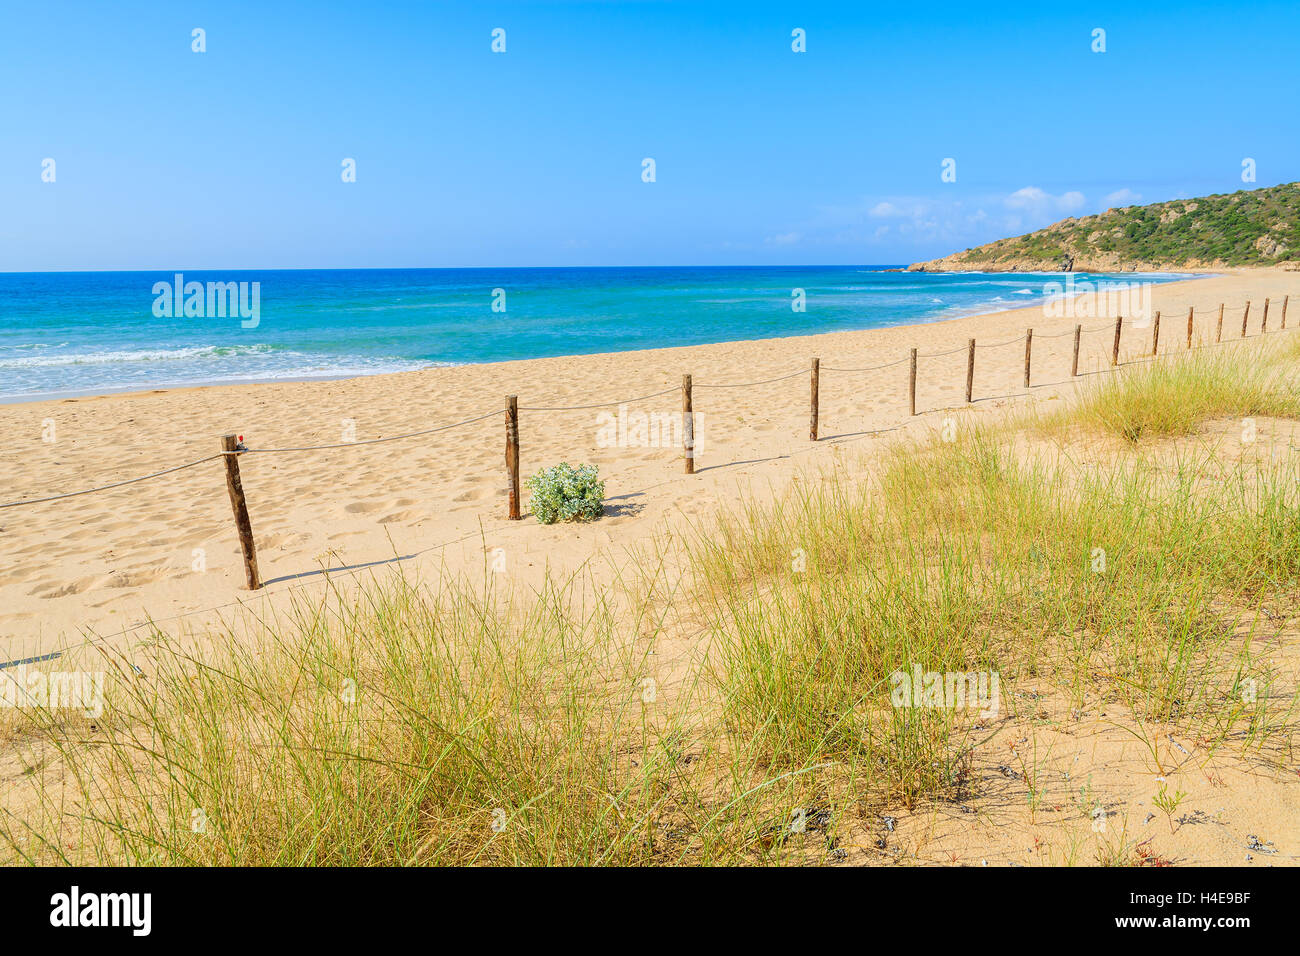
(90, 332)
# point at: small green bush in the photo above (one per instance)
(565, 493)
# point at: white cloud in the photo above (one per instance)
(909, 219)
(784, 239)
(1072, 201)
(1121, 197)
(1030, 195)
(1038, 203)
(933, 225)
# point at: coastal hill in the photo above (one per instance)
(1258, 227)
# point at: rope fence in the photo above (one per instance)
(232, 446)
(368, 441)
(116, 484)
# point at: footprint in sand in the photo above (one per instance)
(134, 577)
(268, 541)
(54, 589)
(18, 571)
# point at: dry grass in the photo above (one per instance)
(1173, 395)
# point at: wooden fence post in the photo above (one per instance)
(912, 384)
(1190, 311)
(1245, 317)
(688, 425)
(1155, 334)
(1263, 327)
(970, 370)
(1218, 330)
(1074, 366)
(1029, 351)
(816, 376)
(1285, 300)
(512, 454)
(1114, 353)
(240, 507)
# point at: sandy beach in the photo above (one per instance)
(100, 567)
(104, 564)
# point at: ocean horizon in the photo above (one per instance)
(82, 333)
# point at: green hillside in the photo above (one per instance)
(1249, 228)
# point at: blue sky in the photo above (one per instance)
(170, 159)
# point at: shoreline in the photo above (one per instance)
(166, 387)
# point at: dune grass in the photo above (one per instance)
(404, 728)
(397, 727)
(1174, 395)
(398, 724)
(1139, 584)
